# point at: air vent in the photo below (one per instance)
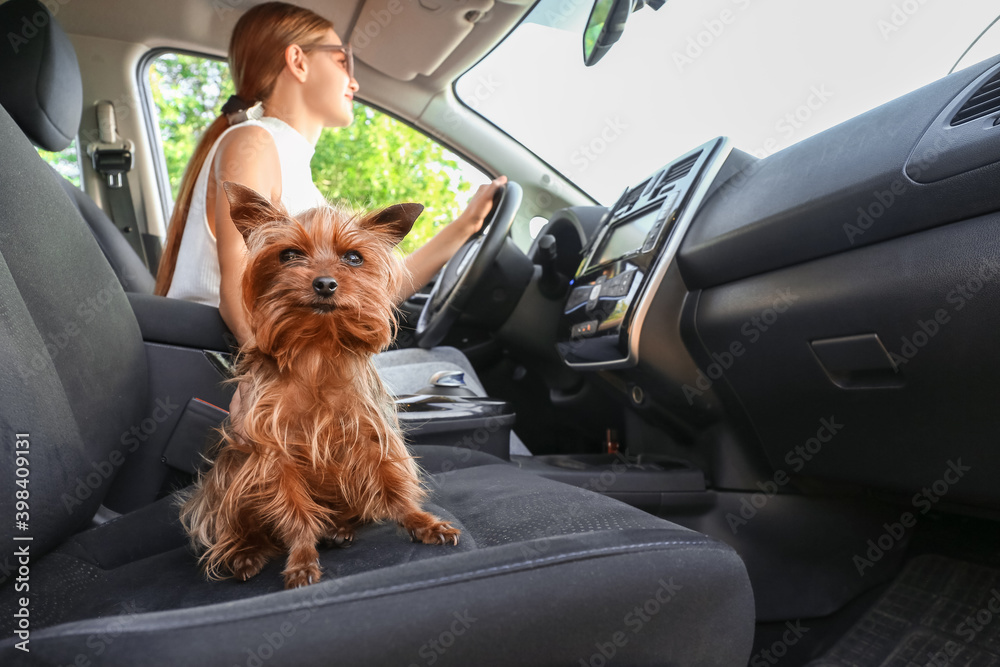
(677, 171)
(633, 196)
(985, 102)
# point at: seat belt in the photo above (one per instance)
(112, 159)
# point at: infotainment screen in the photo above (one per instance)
(624, 238)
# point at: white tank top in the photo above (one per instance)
(197, 276)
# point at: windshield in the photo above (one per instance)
(766, 73)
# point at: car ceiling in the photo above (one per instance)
(205, 26)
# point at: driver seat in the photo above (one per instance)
(41, 89)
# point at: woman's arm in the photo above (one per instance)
(428, 259)
(247, 156)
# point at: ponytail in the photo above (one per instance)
(178, 219)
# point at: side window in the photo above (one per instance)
(376, 161)
(66, 162)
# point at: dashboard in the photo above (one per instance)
(853, 277)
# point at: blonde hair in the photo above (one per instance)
(256, 58)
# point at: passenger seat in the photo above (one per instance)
(41, 89)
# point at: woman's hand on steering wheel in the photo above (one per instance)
(479, 206)
(467, 267)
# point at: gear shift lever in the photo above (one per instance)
(447, 383)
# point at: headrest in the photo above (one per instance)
(40, 84)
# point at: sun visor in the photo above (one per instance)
(404, 38)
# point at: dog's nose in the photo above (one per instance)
(325, 286)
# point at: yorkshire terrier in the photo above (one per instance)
(314, 449)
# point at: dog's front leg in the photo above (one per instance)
(298, 521)
(401, 496)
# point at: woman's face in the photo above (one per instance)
(330, 90)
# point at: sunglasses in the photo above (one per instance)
(337, 48)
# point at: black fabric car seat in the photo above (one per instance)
(40, 88)
(544, 573)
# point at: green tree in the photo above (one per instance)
(65, 161)
(188, 92)
(375, 162)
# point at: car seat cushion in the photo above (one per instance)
(520, 532)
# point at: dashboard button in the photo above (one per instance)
(652, 237)
(625, 282)
(584, 329)
(577, 297)
(620, 285)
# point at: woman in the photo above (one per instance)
(293, 77)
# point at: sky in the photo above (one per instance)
(766, 73)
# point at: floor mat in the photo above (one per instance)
(939, 612)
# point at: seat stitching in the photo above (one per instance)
(378, 592)
(525, 564)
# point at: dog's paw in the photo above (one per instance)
(247, 566)
(297, 576)
(341, 537)
(438, 532)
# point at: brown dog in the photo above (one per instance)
(319, 450)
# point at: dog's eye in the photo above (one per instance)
(353, 257)
(290, 255)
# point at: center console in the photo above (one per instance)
(622, 267)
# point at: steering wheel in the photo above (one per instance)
(466, 268)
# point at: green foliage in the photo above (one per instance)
(375, 162)
(65, 161)
(378, 161)
(188, 92)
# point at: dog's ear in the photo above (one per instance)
(248, 208)
(394, 221)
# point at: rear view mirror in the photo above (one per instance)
(604, 27)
